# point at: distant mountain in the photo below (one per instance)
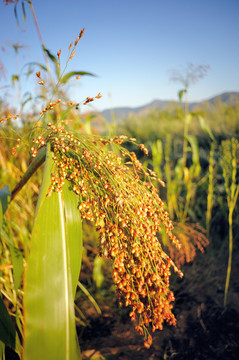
(230, 98)
(123, 112)
(120, 113)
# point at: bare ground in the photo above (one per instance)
(205, 329)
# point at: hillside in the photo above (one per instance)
(120, 113)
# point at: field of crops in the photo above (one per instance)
(118, 240)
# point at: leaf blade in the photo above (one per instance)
(70, 74)
(17, 262)
(49, 306)
(4, 198)
(205, 127)
(73, 232)
(7, 330)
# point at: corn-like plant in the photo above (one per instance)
(181, 181)
(182, 176)
(180, 192)
(210, 188)
(157, 157)
(187, 77)
(228, 160)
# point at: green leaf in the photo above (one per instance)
(4, 198)
(157, 152)
(35, 64)
(74, 233)
(181, 93)
(7, 330)
(53, 59)
(49, 303)
(98, 275)
(188, 118)
(178, 171)
(157, 156)
(194, 147)
(50, 55)
(35, 164)
(26, 101)
(195, 168)
(90, 297)
(1, 217)
(24, 12)
(14, 79)
(16, 15)
(2, 350)
(17, 262)
(67, 76)
(205, 127)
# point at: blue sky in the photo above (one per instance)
(130, 45)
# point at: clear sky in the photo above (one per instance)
(130, 45)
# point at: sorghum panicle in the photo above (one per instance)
(120, 198)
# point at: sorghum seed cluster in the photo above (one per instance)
(119, 197)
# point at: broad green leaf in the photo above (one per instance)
(17, 262)
(67, 76)
(7, 330)
(205, 127)
(49, 303)
(74, 233)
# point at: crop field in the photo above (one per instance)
(119, 238)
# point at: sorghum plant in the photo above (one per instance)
(120, 198)
(93, 178)
(228, 160)
(210, 187)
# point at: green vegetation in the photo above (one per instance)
(190, 152)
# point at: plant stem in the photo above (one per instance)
(229, 256)
(39, 35)
(210, 189)
(185, 133)
(35, 164)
